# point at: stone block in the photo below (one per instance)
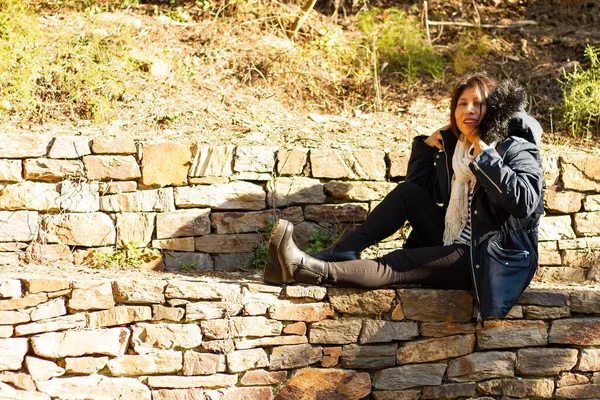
(560, 274)
(204, 310)
(312, 383)
(295, 356)
(257, 303)
(120, 315)
(162, 362)
(341, 331)
(361, 301)
(51, 309)
(195, 363)
(13, 145)
(196, 290)
(42, 370)
(591, 202)
(162, 313)
(43, 284)
(235, 243)
(356, 165)
(107, 168)
(408, 376)
(134, 228)
(91, 295)
(150, 338)
(398, 160)
(589, 360)
(19, 380)
(182, 223)
(195, 261)
(437, 349)
(291, 162)
(449, 391)
(6, 331)
(111, 342)
(396, 394)
(232, 196)
(541, 312)
(546, 361)
(296, 328)
(257, 159)
(331, 356)
(23, 302)
(138, 291)
(14, 317)
(481, 366)
(49, 170)
(85, 365)
(243, 360)
(95, 387)
(562, 202)
(176, 382)
(74, 229)
(587, 223)
(579, 172)
(508, 334)
(572, 379)
(549, 254)
(242, 344)
(312, 312)
(10, 288)
(106, 145)
(335, 213)
(285, 192)
(254, 221)
(211, 161)
(165, 164)
(18, 226)
(12, 353)
(590, 391)
(240, 393)
(358, 191)
(546, 298)
(369, 357)
(520, 388)
(11, 171)
(556, 228)
(32, 196)
(576, 331)
(436, 305)
(155, 200)
(309, 292)
(378, 331)
(69, 147)
(73, 321)
(441, 329)
(254, 326)
(218, 346)
(177, 244)
(585, 301)
(260, 377)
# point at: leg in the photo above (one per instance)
(407, 202)
(438, 266)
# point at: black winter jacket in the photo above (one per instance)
(505, 211)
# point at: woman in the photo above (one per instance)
(473, 196)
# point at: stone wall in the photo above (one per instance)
(207, 207)
(141, 338)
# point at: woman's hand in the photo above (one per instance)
(435, 140)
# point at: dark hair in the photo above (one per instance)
(481, 82)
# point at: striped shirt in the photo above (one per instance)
(465, 235)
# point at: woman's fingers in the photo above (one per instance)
(435, 140)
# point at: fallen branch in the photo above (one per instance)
(300, 19)
(513, 25)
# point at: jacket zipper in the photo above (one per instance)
(447, 166)
(486, 175)
(472, 266)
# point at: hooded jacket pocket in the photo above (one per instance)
(509, 257)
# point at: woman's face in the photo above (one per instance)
(469, 111)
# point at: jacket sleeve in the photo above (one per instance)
(513, 183)
(420, 164)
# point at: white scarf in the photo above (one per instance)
(463, 181)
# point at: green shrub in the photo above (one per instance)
(470, 51)
(401, 43)
(581, 91)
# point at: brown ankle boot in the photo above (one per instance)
(296, 265)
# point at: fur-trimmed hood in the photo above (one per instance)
(507, 101)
